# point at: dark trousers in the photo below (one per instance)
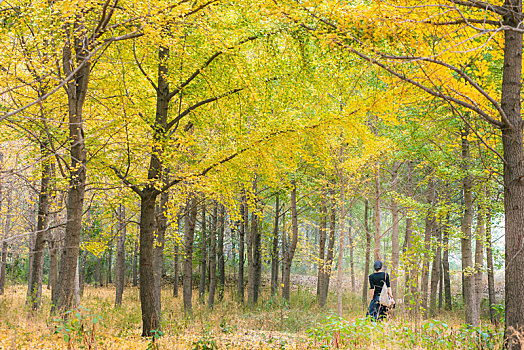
(376, 311)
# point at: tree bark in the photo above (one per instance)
(203, 253)
(290, 252)
(445, 269)
(158, 262)
(134, 263)
(479, 257)
(220, 257)
(435, 273)
(365, 283)
(241, 243)
(53, 264)
(35, 286)
(341, 238)
(377, 213)
(212, 259)
(7, 229)
(274, 250)
(330, 252)
(470, 305)
(109, 278)
(489, 262)
(322, 233)
(189, 233)
(410, 282)
(351, 258)
(176, 272)
(395, 248)
(120, 256)
(428, 232)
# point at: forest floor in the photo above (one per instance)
(272, 324)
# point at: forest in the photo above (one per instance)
(214, 174)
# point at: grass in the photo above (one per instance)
(271, 324)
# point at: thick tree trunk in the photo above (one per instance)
(134, 267)
(189, 234)
(489, 262)
(120, 272)
(470, 305)
(395, 246)
(428, 232)
(35, 285)
(212, 259)
(220, 257)
(479, 258)
(290, 252)
(158, 263)
(274, 250)
(435, 273)
(329, 254)
(241, 244)
(322, 233)
(512, 143)
(148, 296)
(365, 283)
(76, 93)
(203, 253)
(376, 213)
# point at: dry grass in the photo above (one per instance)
(269, 325)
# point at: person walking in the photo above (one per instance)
(376, 283)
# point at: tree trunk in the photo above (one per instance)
(395, 249)
(35, 285)
(322, 233)
(351, 258)
(377, 213)
(274, 250)
(445, 269)
(251, 254)
(134, 263)
(212, 259)
(241, 244)
(435, 273)
(341, 238)
(76, 93)
(407, 247)
(161, 226)
(53, 264)
(290, 252)
(7, 229)
(120, 256)
(175, 261)
(203, 253)
(365, 284)
(428, 232)
(330, 251)
(470, 305)
(489, 262)
(109, 278)
(479, 258)
(220, 257)
(189, 233)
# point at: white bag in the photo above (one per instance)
(384, 298)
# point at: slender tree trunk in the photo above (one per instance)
(395, 246)
(410, 282)
(435, 273)
(322, 233)
(445, 270)
(489, 262)
(479, 258)
(189, 233)
(341, 238)
(365, 284)
(441, 283)
(203, 252)
(120, 256)
(35, 285)
(290, 252)
(274, 250)
(134, 263)
(351, 258)
(109, 278)
(53, 264)
(7, 229)
(251, 254)
(212, 259)
(428, 232)
(220, 257)
(176, 272)
(330, 252)
(241, 244)
(377, 213)
(470, 306)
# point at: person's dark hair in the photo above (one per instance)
(377, 265)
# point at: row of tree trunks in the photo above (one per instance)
(189, 233)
